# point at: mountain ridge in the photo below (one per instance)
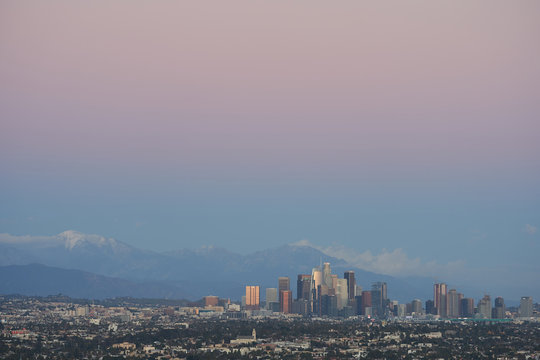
(196, 272)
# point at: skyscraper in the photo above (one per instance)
(416, 307)
(285, 301)
(327, 275)
(467, 307)
(525, 307)
(366, 302)
(284, 283)
(271, 297)
(379, 298)
(303, 286)
(484, 307)
(342, 293)
(252, 297)
(351, 284)
(453, 304)
(316, 281)
(439, 298)
(499, 309)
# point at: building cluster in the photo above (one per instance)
(322, 293)
(43, 328)
(450, 304)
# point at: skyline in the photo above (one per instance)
(402, 138)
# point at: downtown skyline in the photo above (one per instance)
(402, 138)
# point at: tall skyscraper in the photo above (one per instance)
(303, 286)
(327, 275)
(271, 297)
(252, 297)
(440, 293)
(467, 307)
(379, 298)
(484, 307)
(366, 302)
(342, 295)
(351, 284)
(453, 304)
(316, 281)
(499, 309)
(416, 307)
(525, 307)
(285, 301)
(284, 283)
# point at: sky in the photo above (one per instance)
(402, 135)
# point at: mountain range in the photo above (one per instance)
(92, 266)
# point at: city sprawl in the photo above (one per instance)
(329, 318)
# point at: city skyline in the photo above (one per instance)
(402, 138)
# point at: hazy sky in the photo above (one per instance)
(409, 130)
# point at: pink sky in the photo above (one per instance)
(251, 84)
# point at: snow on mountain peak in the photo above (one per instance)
(73, 239)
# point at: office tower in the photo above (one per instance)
(467, 307)
(453, 304)
(284, 283)
(285, 301)
(329, 305)
(271, 298)
(416, 307)
(366, 301)
(316, 281)
(334, 281)
(379, 298)
(327, 275)
(301, 307)
(351, 284)
(484, 307)
(440, 293)
(525, 307)
(401, 310)
(341, 292)
(252, 297)
(358, 290)
(303, 285)
(499, 309)
(459, 298)
(211, 301)
(430, 307)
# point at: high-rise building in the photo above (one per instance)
(416, 307)
(329, 305)
(430, 307)
(453, 304)
(211, 301)
(440, 293)
(271, 298)
(467, 307)
(342, 293)
(285, 301)
(379, 298)
(303, 285)
(484, 307)
(460, 303)
(284, 283)
(351, 284)
(366, 301)
(252, 297)
(525, 307)
(327, 275)
(499, 309)
(316, 281)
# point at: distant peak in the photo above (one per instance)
(74, 238)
